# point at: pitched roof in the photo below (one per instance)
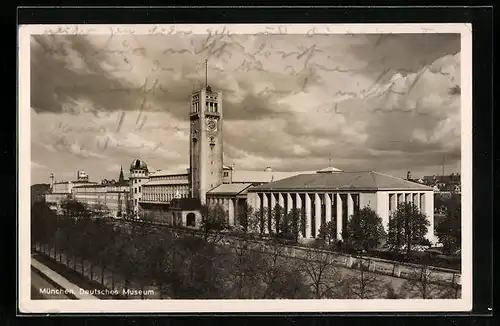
(365, 180)
(167, 172)
(245, 176)
(229, 188)
(329, 169)
(166, 182)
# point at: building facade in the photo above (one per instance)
(109, 197)
(206, 142)
(337, 196)
(324, 195)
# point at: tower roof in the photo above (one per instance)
(138, 164)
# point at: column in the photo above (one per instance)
(289, 200)
(298, 201)
(237, 211)
(265, 210)
(308, 216)
(429, 211)
(394, 202)
(328, 208)
(231, 212)
(416, 200)
(289, 203)
(257, 202)
(350, 206)
(298, 205)
(273, 205)
(281, 200)
(401, 197)
(273, 200)
(339, 217)
(317, 213)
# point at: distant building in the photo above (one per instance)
(38, 192)
(451, 179)
(62, 190)
(328, 194)
(110, 196)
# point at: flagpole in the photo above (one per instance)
(206, 73)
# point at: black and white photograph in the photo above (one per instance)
(245, 168)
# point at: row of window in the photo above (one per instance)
(165, 189)
(209, 107)
(169, 177)
(418, 199)
(162, 197)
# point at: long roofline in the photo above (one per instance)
(411, 185)
(346, 189)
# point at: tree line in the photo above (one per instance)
(363, 232)
(188, 267)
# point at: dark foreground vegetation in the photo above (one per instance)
(188, 267)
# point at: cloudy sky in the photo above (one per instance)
(389, 103)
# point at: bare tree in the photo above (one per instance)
(280, 277)
(322, 275)
(246, 268)
(363, 283)
(213, 222)
(328, 234)
(275, 220)
(422, 283)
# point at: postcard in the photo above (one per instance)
(245, 168)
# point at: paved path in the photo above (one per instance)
(43, 289)
(60, 280)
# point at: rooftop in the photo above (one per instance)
(245, 176)
(75, 182)
(166, 182)
(229, 188)
(364, 180)
(158, 173)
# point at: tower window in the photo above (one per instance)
(215, 107)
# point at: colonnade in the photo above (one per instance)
(317, 209)
(230, 205)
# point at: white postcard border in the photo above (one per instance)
(26, 305)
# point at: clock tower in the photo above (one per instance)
(205, 149)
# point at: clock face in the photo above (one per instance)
(212, 125)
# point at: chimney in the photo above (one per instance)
(408, 175)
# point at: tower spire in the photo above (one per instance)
(121, 179)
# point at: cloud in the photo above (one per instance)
(35, 165)
(290, 101)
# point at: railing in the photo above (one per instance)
(105, 279)
(376, 265)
